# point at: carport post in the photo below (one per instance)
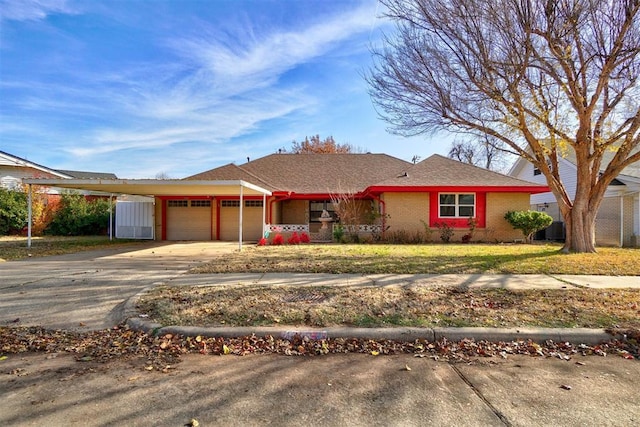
(240, 220)
(264, 214)
(30, 214)
(110, 216)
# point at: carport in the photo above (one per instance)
(157, 188)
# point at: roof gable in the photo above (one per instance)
(313, 173)
(7, 159)
(440, 171)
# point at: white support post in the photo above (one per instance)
(240, 219)
(264, 214)
(110, 217)
(30, 215)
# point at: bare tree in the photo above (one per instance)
(484, 151)
(546, 78)
(315, 145)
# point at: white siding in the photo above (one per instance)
(134, 220)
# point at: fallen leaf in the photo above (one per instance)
(407, 368)
(375, 353)
(565, 387)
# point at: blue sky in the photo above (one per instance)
(139, 88)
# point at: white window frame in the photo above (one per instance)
(457, 204)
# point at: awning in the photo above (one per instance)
(155, 187)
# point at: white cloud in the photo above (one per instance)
(247, 61)
(33, 10)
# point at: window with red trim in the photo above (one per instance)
(456, 205)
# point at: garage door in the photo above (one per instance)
(251, 220)
(188, 219)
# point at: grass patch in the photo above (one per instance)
(426, 259)
(14, 247)
(372, 306)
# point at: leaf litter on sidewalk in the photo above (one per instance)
(162, 352)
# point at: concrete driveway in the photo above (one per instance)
(86, 290)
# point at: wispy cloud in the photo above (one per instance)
(206, 87)
(250, 59)
(33, 10)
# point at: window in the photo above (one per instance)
(177, 203)
(236, 203)
(457, 205)
(317, 206)
(201, 203)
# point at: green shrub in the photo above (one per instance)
(528, 221)
(78, 216)
(338, 233)
(13, 211)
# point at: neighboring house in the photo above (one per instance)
(618, 219)
(14, 169)
(283, 193)
(434, 191)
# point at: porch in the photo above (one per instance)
(320, 234)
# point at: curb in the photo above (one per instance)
(572, 335)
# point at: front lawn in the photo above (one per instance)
(374, 306)
(425, 259)
(15, 247)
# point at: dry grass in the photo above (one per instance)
(425, 259)
(372, 306)
(15, 247)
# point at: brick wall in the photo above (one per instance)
(405, 210)
(295, 212)
(497, 205)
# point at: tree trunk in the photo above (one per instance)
(580, 230)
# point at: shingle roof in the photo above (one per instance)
(88, 175)
(312, 173)
(437, 171)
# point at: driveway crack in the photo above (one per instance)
(482, 397)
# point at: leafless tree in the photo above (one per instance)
(546, 78)
(485, 152)
(315, 145)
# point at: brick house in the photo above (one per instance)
(283, 193)
(405, 196)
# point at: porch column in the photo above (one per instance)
(240, 220)
(29, 214)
